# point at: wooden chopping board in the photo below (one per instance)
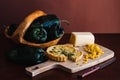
(68, 65)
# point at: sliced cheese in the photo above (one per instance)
(81, 38)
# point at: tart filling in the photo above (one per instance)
(63, 52)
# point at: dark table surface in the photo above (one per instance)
(12, 71)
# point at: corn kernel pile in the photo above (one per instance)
(94, 51)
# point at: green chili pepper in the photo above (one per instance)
(27, 55)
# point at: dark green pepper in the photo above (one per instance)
(27, 55)
(36, 34)
(46, 20)
(39, 35)
(56, 31)
(48, 24)
(45, 29)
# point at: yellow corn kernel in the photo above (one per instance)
(78, 63)
(85, 62)
(94, 53)
(86, 56)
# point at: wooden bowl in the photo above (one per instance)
(19, 33)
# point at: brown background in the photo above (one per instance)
(97, 16)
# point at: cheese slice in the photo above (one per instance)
(81, 38)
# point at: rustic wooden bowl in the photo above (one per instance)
(19, 33)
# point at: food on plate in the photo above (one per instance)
(81, 38)
(93, 52)
(63, 52)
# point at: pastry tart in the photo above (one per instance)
(62, 53)
(19, 33)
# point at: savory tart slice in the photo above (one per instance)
(63, 52)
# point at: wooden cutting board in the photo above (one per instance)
(69, 66)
